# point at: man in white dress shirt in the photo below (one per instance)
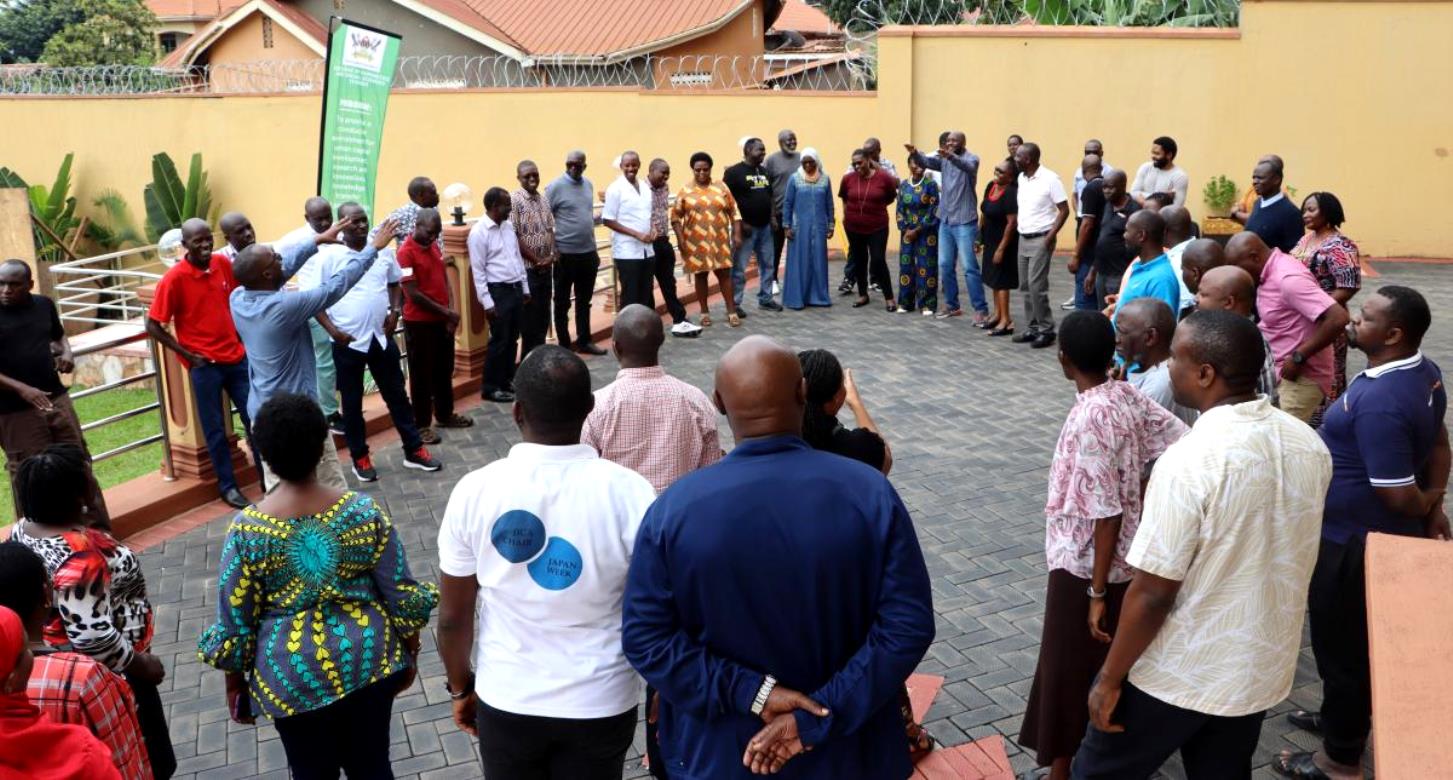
(503, 289)
(361, 325)
(627, 213)
(1043, 209)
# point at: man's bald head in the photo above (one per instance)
(1247, 250)
(319, 213)
(1177, 224)
(1091, 166)
(237, 229)
(1227, 288)
(197, 241)
(638, 336)
(1200, 256)
(195, 227)
(759, 388)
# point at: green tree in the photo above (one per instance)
(117, 32)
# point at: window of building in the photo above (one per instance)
(266, 33)
(169, 41)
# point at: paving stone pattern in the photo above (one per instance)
(972, 422)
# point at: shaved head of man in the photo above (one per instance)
(1227, 288)
(759, 388)
(197, 240)
(637, 337)
(237, 229)
(318, 212)
(1200, 256)
(1177, 224)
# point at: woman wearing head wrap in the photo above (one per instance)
(807, 224)
(31, 744)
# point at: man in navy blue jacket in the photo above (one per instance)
(780, 569)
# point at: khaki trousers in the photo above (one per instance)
(1300, 397)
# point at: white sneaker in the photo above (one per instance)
(903, 310)
(928, 312)
(686, 329)
(1068, 305)
(776, 287)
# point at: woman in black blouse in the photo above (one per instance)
(829, 387)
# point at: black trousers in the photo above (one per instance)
(574, 273)
(635, 276)
(349, 735)
(665, 272)
(1212, 747)
(502, 351)
(536, 322)
(151, 716)
(385, 363)
(1337, 601)
(529, 747)
(868, 254)
(779, 242)
(431, 371)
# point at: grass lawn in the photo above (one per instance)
(121, 468)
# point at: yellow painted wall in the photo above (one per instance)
(1373, 124)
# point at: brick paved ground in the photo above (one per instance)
(972, 422)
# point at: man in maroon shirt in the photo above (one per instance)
(430, 320)
(866, 194)
(192, 297)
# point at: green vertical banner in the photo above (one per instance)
(360, 71)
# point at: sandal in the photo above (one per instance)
(892, 307)
(705, 321)
(861, 302)
(1297, 765)
(1306, 721)
(456, 421)
(734, 320)
(1002, 332)
(429, 436)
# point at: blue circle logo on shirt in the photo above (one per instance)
(518, 535)
(559, 567)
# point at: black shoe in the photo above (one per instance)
(235, 499)
(1002, 332)
(741, 313)
(846, 287)
(421, 459)
(1042, 340)
(335, 423)
(1301, 766)
(1024, 338)
(364, 470)
(1306, 721)
(500, 396)
(588, 348)
(770, 306)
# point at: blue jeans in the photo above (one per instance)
(760, 242)
(327, 374)
(1084, 300)
(208, 383)
(954, 242)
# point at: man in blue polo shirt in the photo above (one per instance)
(1390, 462)
(1151, 275)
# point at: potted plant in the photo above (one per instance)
(1220, 196)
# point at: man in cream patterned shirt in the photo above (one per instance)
(1211, 625)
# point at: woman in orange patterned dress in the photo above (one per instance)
(704, 217)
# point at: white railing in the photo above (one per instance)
(102, 289)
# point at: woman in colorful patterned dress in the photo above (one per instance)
(807, 223)
(101, 609)
(1335, 262)
(318, 617)
(704, 217)
(918, 254)
(1110, 437)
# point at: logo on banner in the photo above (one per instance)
(364, 49)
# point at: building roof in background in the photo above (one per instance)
(300, 25)
(798, 16)
(605, 29)
(191, 10)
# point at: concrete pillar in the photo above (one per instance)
(473, 334)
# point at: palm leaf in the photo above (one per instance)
(59, 191)
(169, 191)
(195, 181)
(11, 179)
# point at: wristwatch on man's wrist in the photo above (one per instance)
(461, 693)
(1298, 358)
(760, 703)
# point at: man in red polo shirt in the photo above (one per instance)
(430, 320)
(192, 298)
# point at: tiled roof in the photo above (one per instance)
(205, 37)
(597, 28)
(798, 16)
(191, 9)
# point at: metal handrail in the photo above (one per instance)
(168, 468)
(86, 288)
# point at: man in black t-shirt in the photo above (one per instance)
(1090, 204)
(1112, 257)
(35, 408)
(751, 188)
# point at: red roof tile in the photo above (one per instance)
(595, 28)
(191, 9)
(808, 20)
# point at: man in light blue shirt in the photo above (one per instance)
(958, 214)
(1151, 275)
(273, 325)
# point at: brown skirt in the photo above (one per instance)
(1069, 659)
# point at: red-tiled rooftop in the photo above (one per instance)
(594, 28)
(800, 17)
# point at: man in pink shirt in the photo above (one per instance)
(654, 424)
(1298, 319)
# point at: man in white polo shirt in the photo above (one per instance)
(627, 213)
(1211, 626)
(541, 541)
(1043, 209)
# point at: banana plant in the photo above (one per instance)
(170, 202)
(51, 207)
(112, 228)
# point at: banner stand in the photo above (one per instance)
(358, 74)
